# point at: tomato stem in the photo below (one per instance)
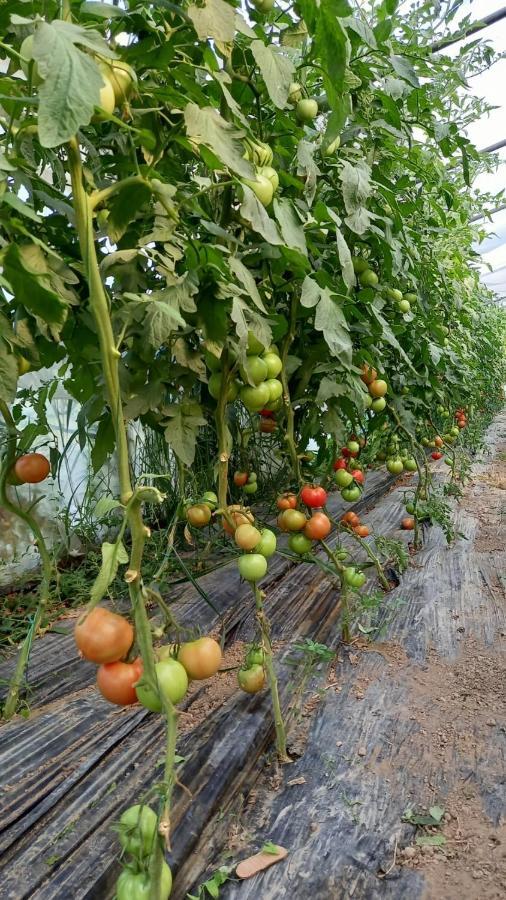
(222, 432)
(290, 419)
(9, 458)
(264, 626)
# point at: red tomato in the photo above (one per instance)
(267, 426)
(339, 464)
(240, 478)
(318, 527)
(345, 452)
(31, 468)
(267, 413)
(408, 523)
(116, 680)
(287, 501)
(103, 636)
(436, 454)
(313, 496)
(362, 530)
(358, 475)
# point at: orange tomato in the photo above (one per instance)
(103, 636)
(116, 681)
(318, 527)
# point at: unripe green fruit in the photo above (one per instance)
(394, 294)
(368, 278)
(254, 370)
(404, 306)
(294, 93)
(214, 387)
(273, 363)
(307, 110)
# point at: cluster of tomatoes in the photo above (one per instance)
(303, 528)
(138, 834)
(247, 481)
(367, 278)
(106, 638)
(31, 468)
(258, 545)
(377, 388)
(351, 521)
(251, 675)
(256, 383)
(460, 417)
(349, 475)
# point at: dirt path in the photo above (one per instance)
(415, 723)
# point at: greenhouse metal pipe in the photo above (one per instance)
(491, 213)
(493, 147)
(491, 19)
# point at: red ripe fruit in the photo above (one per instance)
(436, 455)
(339, 464)
(358, 475)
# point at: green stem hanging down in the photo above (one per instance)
(279, 724)
(290, 419)
(345, 628)
(99, 305)
(16, 683)
(222, 432)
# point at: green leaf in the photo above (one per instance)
(431, 840)
(258, 218)
(344, 253)
(329, 319)
(277, 71)
(246, 319)
(20, 206)
(307, 167)
(405, 70)
(104, 442)
(360, 27)
(206, 126)
(100, 10)
(246, 280)
(127, 202)
(215, 20)
(72, 83)
(8, 374)
(112, 556)
(290, 225)
(181, 430)
(104, 506)
(334, 47)
(356, 184)
(437, 812)
(26, 269)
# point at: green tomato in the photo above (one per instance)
(404, 306)
(294, 93)
(368, 278)
(332, 147)
(394, 294)
(137, 885)
(264, 6)
(254, 657)
(411, 298)
(267, 545)
(138, 830)
(214, 387)
(455, 431)
(378, 405)
(410, 464)
(262, 187)
(350, 494)
(299, 544)
(271, 174)
(307, 110)
(395, 466)
(252, 566)
(254, 370)
(273, 363)
(212, 362)
(250, 487)
(210, 499)
(353, 577)
(342, 554)
(172, 683)
(343, 478)
(255, 398)
(252, 477)
(368, 401)
(410, 508)
(255, 347)
(359, 265)
(440, 410)
(275, 389)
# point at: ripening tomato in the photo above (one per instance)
(313, 496)
(247, 536)
(239, 516)
(408, 523)
(350, 518)
(198, 515)
(132, 885)
(103, 636)
(138, 827)
(240, 478)
(358, 475)
(339, 464)
(251, 680)
(378, 388)
(116, 681)
(287, 501)
(362, 530)
(267, 426)
(318, 527)
(201, 658)
(353, 447)
(437, 455)
(368, 374)
(292, 520)
(252, 566)
(438, 441)
(32, 468)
